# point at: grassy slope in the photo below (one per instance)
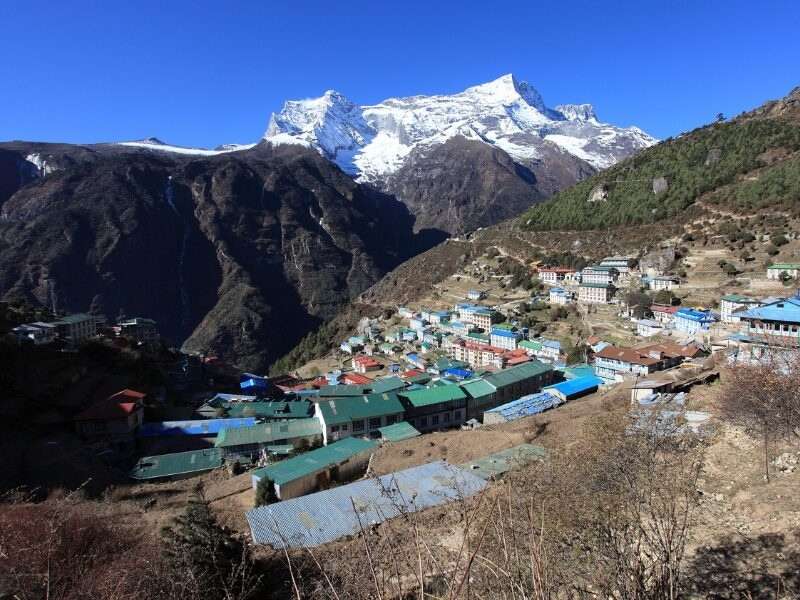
(746, 164)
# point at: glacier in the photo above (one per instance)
(370, 142)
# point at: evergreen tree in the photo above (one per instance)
(213, 563)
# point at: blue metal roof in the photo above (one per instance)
(694, 315)
(203, 427)
(327, 516)
(531, 404)
(504, 333)
(786, 311)
(551, 343)
(573, 387)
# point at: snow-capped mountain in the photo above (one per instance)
(153, 143)
(373, 141)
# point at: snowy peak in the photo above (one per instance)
(507, 90)
(577, 112)
(331, 123)
(373, 141)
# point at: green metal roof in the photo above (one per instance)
(267, 432)
(307, 463)
(377, 386)
(530, 345)
(789, 266)
(501, 462)
(387, 384)
(178, 463)
(398, 432)
(477, 388)
(506, 326)
(269, 410)
(336, 411)
(342, 390)
(739, 298)
(434, 395)
(478, 336)
(516, 374)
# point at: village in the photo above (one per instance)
(478, 353)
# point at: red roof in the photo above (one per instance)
(128, 394)
(516, 357)
(628, 355)
(663, 308)
(355, 379)
(367, 361)
(411, 373)
(593, 339)
(108, 410)
(319, 382)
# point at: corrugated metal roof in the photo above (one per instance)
(398, 432)
(343, 410)
(501, 462)
(787, 311)
(327, 516)
(434, 395)
(526, 406)
(177, 463)
(478, 388)
(519, 373)
(268, 432)
(203, 427)
(314, 460)
(297, 409)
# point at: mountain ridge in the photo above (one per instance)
(371, 142)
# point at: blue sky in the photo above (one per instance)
(204, 73)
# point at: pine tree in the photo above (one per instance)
(213, 563)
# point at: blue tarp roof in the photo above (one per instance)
(327, 516)
(203, 427)
(573, 387)
(526, 406)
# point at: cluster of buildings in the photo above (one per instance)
(598, 284)
(72, 330)
(302, 436)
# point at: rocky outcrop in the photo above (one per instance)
(461, 185)
(237, 255)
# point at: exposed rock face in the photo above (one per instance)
(238, 254)
(464, 184)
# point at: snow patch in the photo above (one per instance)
(156, 144)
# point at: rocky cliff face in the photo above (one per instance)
(237, 255)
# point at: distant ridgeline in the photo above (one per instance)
(744, 165)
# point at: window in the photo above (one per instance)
(334, 428)
(435, 420)
(358, 425)
(423, 422)
(345, 427)
(446, 417)
(457, 415)
(374, 423)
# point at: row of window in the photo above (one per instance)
(422, 422)
(360, 425)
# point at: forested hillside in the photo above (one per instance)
(745, 164)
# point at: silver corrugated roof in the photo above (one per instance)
(327, 516)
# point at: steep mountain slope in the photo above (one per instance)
(238, 254)
(463, 184)
(743, 165)
(461, 161)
